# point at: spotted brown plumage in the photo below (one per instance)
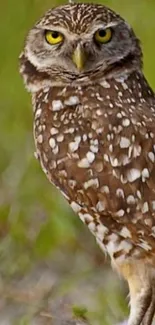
(94, 116)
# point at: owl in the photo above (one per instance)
(94, 131)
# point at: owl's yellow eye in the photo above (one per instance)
(103, 36)
(53, 37)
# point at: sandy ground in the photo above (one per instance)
(53, 292)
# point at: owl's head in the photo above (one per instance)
(82, 41)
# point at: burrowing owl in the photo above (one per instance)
(94, 130)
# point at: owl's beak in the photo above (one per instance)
(79, 57)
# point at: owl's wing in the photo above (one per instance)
(127, 181)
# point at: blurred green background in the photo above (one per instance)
(37, 226)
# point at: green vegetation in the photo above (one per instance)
(37, 226)
(80, 312)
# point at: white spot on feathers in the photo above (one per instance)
(145, 207)
(126, 122)
(125, 232)
(73, 146)
(52, 143)
(57, 105)
(83, 163)
(145, 174)
(151, 156)
(71, 101)
(124, 142)
(76, 207)
(91, 183)
(90, 156)
(100, 206)
(101, 231)
(133, 174)
(40, 138)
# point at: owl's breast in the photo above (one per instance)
(72, 136)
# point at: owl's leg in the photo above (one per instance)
(140, 302)
(138, 275)
(151, 310)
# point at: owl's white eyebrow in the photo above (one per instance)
(72, 35)
(112, 24)
(104, 26)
